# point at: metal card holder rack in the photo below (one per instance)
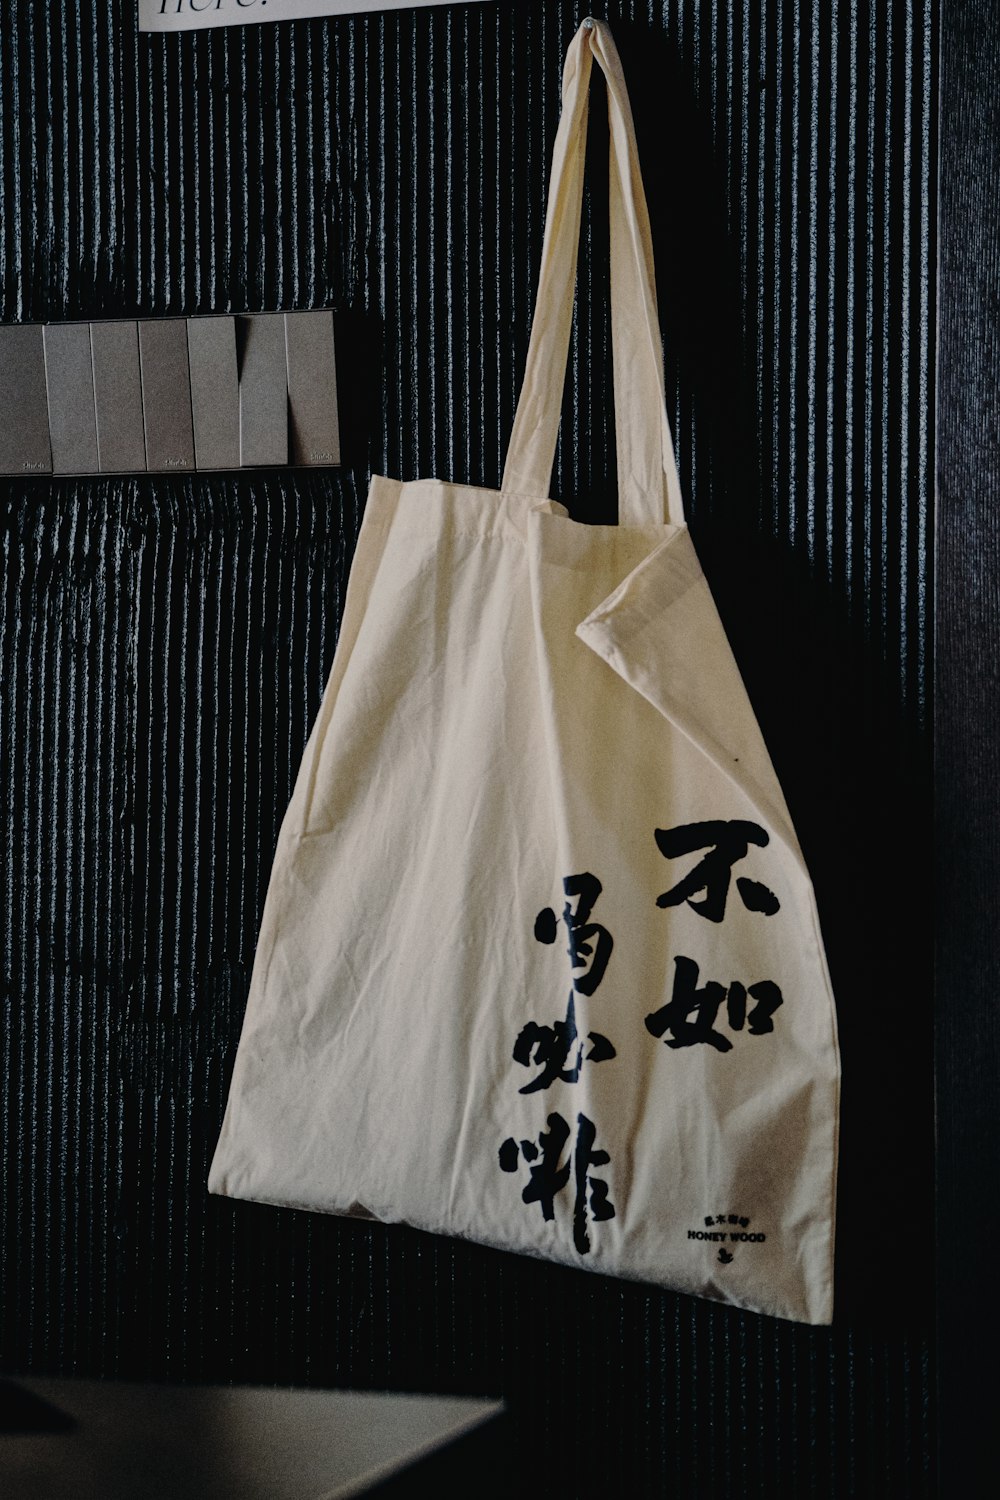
(168, 395)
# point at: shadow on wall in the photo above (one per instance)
(852, 756)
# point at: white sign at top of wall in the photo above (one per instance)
(192, 15)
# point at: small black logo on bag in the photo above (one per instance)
(727, 1230)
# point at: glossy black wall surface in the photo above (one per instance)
(165, 643)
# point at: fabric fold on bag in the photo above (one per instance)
(664, 611)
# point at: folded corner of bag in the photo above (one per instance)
(660, 631)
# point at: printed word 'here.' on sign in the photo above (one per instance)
(194, 15)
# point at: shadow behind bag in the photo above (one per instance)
(540, 964)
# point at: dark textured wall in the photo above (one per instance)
(967, 741)
(165, 642)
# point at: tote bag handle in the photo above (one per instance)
(648, 485)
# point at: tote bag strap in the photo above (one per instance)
(648, 485)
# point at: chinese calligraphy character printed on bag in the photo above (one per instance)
(540, 963)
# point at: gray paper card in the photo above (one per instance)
(263, 391)
(69, 375)
(312, 388)
(215, 399)
(118, 397)
(24, 417)
(166, 394)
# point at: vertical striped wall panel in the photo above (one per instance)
(165, 642)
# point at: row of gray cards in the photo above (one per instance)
(169, 394)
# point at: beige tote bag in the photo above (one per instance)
(540, 964)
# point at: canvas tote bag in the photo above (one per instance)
(540, 963)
